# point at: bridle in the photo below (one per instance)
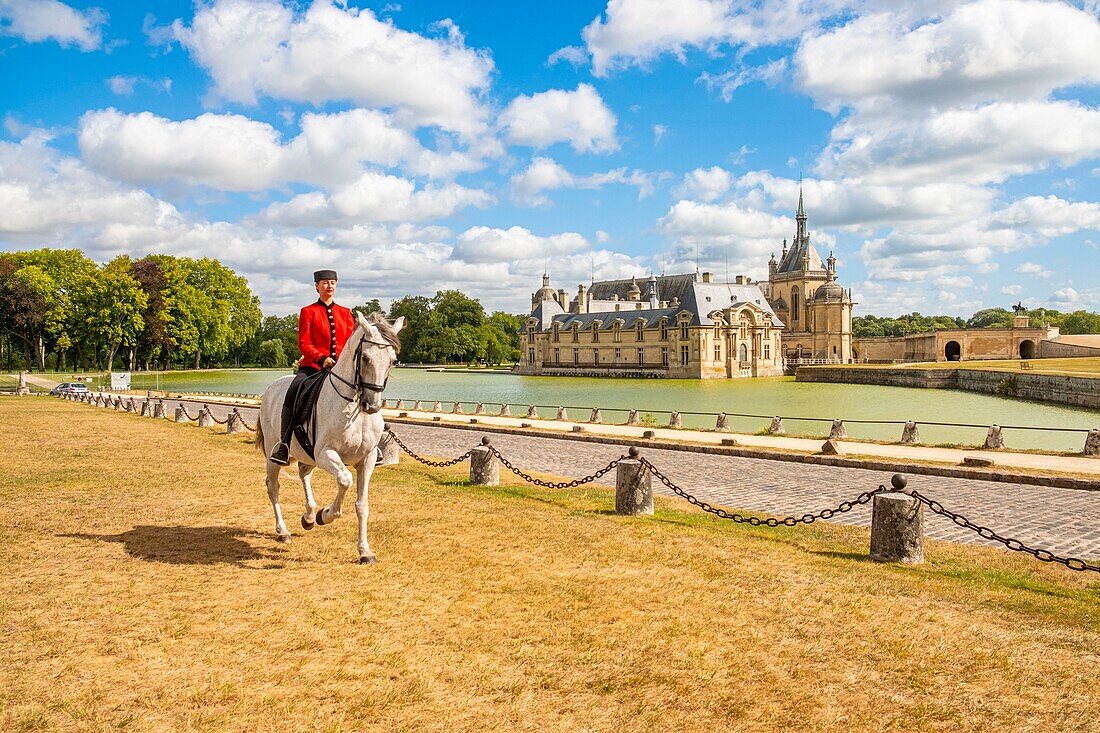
(361, 388)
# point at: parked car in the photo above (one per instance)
(69, 388)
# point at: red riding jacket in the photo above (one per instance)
(322, 332)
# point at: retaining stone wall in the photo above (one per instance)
(1066, 390)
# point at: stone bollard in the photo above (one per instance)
(633, 419)
(562, 414)
(22, 389)
(505, 410)
(437, 406)
(145, 408)
(233, 425)
(776, 428)
(484, 465)
(897, 526)
(994, 439)
(532, 411)
(131, 406)
(910, 434)
(675, 421)
(181, 415)
(206, 420)
(480, 409)
(596, 416)
(400, 405)
(1092, 443)
(633, 491)
(159, 411)
(838, 430)
(456, 409)
(722, 425)
(389, 452)
(418, 406)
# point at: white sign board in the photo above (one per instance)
(120, 380)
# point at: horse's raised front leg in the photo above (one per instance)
(362, 481)
(305, 471)
(281, 532)
(330, 461)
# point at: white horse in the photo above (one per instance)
(346, 428)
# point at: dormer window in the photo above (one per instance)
(595, 332)
(664, 329)
(639, 331)
(576, 332)
(557, 332)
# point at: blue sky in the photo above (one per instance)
(950, 151)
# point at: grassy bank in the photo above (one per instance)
(142, 589)
(1078, 367)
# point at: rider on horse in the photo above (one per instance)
(323, 329)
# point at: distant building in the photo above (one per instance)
(804, 293)
(691, 327)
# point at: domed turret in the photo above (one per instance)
(634, 292)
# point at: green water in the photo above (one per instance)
(771, 396)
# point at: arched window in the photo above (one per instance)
(743, 354)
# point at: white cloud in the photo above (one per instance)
(579, 118)
(235, 153)
(487, 245)
(1065, 296)
(1050, 216)
(992, 49)
(43, 20)
(634, 32)
(729, 82)
(707, 184)
(574, 55)
(122, 85)
(373, 197)
(659, 132)
(256, 48)
(974, 145)
(1033, 268)
(1012, 290)
(545, 174)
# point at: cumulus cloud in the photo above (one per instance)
(545, 174)
(1050, 216)
(1065, 296)
(578, 117)
(1004, 49)
(263, 48)
(707, 184)
(235, 153)
(487, 244)
(44, 20)
(1032, 268)
(634, 32)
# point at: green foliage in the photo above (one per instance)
(452, 327)
(1081, 322)
(991, 318)
(865, 326)
(272, 353)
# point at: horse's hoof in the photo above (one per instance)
(284, 538)
(367, 559)
(306, 525)
(321, 518)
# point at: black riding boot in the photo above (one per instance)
(281, 452)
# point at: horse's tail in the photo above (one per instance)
(259, 439)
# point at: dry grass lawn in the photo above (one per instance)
(143, 590)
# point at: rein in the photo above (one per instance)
(360, 387)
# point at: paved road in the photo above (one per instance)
(1065, 521)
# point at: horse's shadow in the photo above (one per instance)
(189, 545)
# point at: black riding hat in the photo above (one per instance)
(320, 275)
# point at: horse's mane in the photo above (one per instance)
(386, 330)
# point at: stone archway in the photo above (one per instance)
(1027, 349)
(952, 351)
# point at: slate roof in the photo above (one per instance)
(668, 287)
(545, 312)
(793, 261)
(704, 298)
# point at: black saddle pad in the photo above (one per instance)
(305, 407)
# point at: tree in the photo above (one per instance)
(416, 309)
(1081, 322)
(272, 353)
(110, 303)
(991, 318)
(371, 306)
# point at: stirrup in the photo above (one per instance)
(280, 454)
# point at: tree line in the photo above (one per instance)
(61, 311)
(1077, 322)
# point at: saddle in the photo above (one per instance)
(304, 410)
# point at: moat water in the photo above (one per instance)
(767, 396)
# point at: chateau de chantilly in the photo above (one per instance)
(691, 327)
